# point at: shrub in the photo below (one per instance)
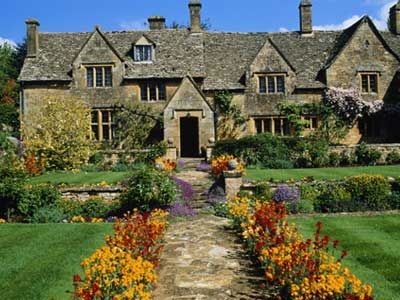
(365, 156)
(334, 159)
(305, 206)
(333, 198)
(263, 191)
(309, 193)
(393, 158)
(36, 197)
(47, 214)
(394, 200)
(347, 159)
(148, 189)
(369, 192)
(11, 191)
(97, 207)
(279, 164)
(152, 153)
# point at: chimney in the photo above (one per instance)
(195, 18)
(306, 27)
(156, 23)
(394, 19)
(32, 32)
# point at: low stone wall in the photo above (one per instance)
(83, 193)
(385, 149)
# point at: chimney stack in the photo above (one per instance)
(32, 30)
(156, 23)
(306, 27)
(394, 19)
(195, 17)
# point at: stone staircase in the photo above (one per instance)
(200, 181)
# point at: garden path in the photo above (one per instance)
(203, 258)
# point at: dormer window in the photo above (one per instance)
(143, 53)
(271, 84)
(369, 83)
(98, 76)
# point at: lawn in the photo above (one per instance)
(320, 173)
(38, 261)
(79, 178)
(373, 243)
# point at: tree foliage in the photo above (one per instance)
(134, 124)
(57, 134)
(230, 119)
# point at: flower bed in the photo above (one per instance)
(225, 163)
(125, 267)
(300, 269)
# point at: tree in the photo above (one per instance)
(205, 25)
(230, 120)
(58, 133)
(134, 125)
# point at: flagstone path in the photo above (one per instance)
(204, 259)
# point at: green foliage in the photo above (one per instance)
(305, 206)
(366, 156)
(148, 189)
(393, 158)
(34, 197)
(333, 198)
(369, 192)
(47, 214)
(334, 159)
(11, 191)
(8, 69)
(97, 207)
(394, 200)
(230, 118)
(9, 117)
(69, 207)
(294, 112)
(263, 191)
(57, 134)
(134, 123)
(221, 209)
(152, 152)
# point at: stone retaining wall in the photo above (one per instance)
(385, 149)
(83, 193)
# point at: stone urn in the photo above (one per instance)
(232, 164)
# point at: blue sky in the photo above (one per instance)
(224, 15)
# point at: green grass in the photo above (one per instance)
(320, 173)
(373, 243)
(79, 178)
(38, 261)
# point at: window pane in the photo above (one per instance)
(143, 92)
(364, 83)
(99, 76)
(286, 128)
(95, 132)
(147, 53)
(278, 127)
(162, 91)
(106, 132)
(143, 53)
(104, 116)
(153, 92)
(95, 117)
(267, 125)
(262, 84)
(280, 84)
(108, 76)
(89, 77)
(258, 125)
(271, 84)
(314, 123)
(373, 83)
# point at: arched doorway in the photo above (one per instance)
(189, 136)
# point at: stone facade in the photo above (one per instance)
(194, 65)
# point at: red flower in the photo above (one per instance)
(335, 243)
(76, 278)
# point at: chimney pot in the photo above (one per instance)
(195, 16)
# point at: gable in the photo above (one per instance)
(144, 40)
(188, 97)
(97, 49)
(270, 60)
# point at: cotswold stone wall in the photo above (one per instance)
(83, 193)
(385, 149)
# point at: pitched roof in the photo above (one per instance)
(221, 58)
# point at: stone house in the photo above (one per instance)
(179, 71)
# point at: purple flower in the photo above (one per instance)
(285, 193)
(185, 189)
(203, 167)
(111, 219)
(180, 164)
(181, 210)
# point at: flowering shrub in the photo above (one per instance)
(290, 195)
(32, 166)
(165, 164)
(182, 206)
(221, 164)
(302, 269)
(125, 267)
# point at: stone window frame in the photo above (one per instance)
(99, 123)
(284, 128)
(268, 77)
(148, 85)
(369, 90)
(94, 80)
(313, 122)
